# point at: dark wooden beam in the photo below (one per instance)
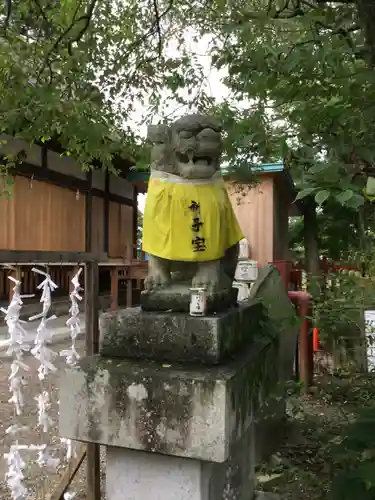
(120, 164)
(106, 213)
(65, 181)
(44, 157)
(135, 221)
(88, 212)
(46, 257)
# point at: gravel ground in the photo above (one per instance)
(39, 482)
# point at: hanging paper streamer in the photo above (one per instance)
(16, 466)
(44, 420)
(41, 351)
(15, 429)
(71, 355)
(16, 348)
(69, 495)
(17, 336)
(15, 476)
(16, 382)
(47, 286)
(47, 461)
(70, 449)
(17, 333)
(45, 356)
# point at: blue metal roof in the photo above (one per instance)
(261, 168)
(270, 167)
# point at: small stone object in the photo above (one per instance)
(247, 270)
(198, 302)
(244, 249)
(177, 297)
(270, 480)
(243, 291)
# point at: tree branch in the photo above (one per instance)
(150, 32)
(41, 11)
(366, 11)
(158, 27)
(8, 4)
(86, 18)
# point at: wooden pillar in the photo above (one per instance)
(2, 284)
(135, 221)
(129, 283)
(106, 214)
(114, 288)
(88, 213)
(92, 338)
(92, 347)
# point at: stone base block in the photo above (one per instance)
(168, 336)
(264, 495)
(135, 475)
(175, 410)
(176, 297)
(270, 425)
(270, 290)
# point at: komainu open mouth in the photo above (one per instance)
(201, 160)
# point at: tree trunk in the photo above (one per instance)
(366, 11)
(311, 240)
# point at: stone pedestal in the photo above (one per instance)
(176, 297)
(139, 475)
(171, 336)
(193, 426)
(180, 410)
(174, 400)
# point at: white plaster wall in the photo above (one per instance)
(14, 146)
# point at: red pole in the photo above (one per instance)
(305, 347)
(316, 339)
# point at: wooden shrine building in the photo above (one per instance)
(55, 206)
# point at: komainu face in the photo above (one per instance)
(193, 147)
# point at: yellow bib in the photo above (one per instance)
(188, 220)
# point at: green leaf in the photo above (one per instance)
(317, 168)
(355, 201)
(305, 192)
(321, 196)
(344, 196)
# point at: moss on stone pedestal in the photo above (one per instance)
(172, 337)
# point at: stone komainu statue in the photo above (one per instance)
(189, 227)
